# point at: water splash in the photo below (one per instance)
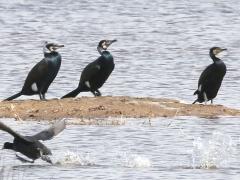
(135, 161)
(72, 158)
(212, 153)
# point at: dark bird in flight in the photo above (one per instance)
(95, 73)
(211, 78)
(42, 74)
(31, 146)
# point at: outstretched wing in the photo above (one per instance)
(47, 134)
(13, 133)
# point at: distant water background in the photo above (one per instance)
(161, 51)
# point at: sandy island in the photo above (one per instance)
(105, 107)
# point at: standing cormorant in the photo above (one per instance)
(95, 73)
(30, 146)
(211, 78)
(42, 74)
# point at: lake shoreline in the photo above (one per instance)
(105, 107)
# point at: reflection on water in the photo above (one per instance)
(161, 50)
(167, 149)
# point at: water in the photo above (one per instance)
(163, 149)
(161, 50)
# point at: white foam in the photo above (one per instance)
(71, 158)
(136, 161)
(214, 152)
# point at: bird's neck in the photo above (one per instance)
(100, 50)
(107, 55)
(49, 54)
(214, 58)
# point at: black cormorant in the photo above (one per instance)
(42, 74)
(30, 146)
(211, 78)
(95, 73)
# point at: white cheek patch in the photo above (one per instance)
(221, 54)
(104, 46)
(215, 52)
(34, 87)
(51, 48)
(87, 84)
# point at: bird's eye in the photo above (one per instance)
(215, 51)
(51, 48)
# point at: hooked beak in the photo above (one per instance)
(109, 42)
(221, 50)
(112, 41)
(57, 46)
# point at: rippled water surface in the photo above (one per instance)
(178, 148)
(161, 50)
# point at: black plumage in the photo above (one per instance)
(42, 74)
(30, 146)
(96, 73)
(211, 78)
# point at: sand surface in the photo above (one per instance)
(105, 107)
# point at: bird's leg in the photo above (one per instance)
(93, 92)
(211, 101)
(42, 96)
(205, 98)
(98, 93)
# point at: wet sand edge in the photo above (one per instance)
(105, 107)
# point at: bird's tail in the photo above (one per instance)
(13, 97)
(196, 92)
(195, 101)
(72, 94)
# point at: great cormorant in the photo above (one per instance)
(42, 74)
(95, 73)
(211, 78)
(30, 146)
